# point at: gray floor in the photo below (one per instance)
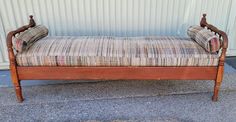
(120, 100)
(231, 61)
(176, 108)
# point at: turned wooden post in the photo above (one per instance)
(13, 70)
(12, 59)
(224, 45)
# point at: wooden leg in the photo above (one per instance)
(218, 83)
(216, 91)
(19, 94)
(18, 91)
(17, 84)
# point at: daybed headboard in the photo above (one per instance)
(222, 35)
(13, 33)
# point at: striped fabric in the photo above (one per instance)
(116, 51)
(27, 38)
(205, 38)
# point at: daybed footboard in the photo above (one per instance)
(224, 46)
(19, 73)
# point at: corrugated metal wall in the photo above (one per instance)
(114, 17)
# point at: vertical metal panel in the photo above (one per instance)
(231, 29)
(3, 47)
(3, 50)
(116, 17)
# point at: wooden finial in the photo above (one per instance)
(204, 15)
(203, 21)
(32, 22)
(31, 16)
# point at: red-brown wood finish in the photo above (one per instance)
(117, 73)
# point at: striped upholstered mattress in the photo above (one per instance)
(116, 51)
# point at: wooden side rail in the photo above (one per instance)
(19, 73)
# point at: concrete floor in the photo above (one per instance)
(172, 108)
(165, 101)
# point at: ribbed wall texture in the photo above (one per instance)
(115, 17)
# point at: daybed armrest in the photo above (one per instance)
(222, 35)
(13, 33)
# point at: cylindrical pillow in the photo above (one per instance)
(24, 40)
(205, 38)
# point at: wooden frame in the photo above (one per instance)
(19, 73)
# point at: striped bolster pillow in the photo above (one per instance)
(205, 38)
(24, 40)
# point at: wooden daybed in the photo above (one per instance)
(19, 73)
